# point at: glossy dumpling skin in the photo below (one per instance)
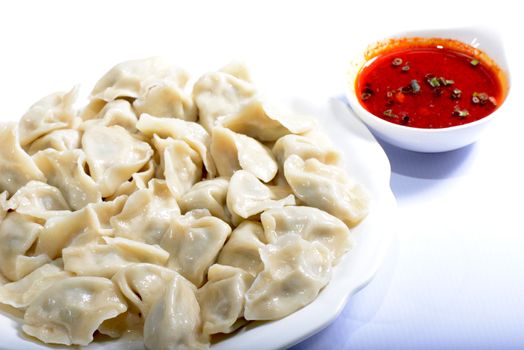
(127, 324)
(59, 231)
(117, 112)
(247, 196)
(167, 99)
(232, 152)
(191, 133)
(60, 140)
(79, 227)
(72, 309)
(39, 200)
(194, 241)
(138, 181)
(326, 187)
(221, 299)
(266, 123)
(210, 195)
(52, 112)
(143, 284)
(3, 205)
(103, 212)
(16, 166)
(147, 214)
(174, 321)
(113, 156)
(18, 233)
(218, 95)
(107, 258)
(129, 78)
(311, 224)
(295, 270)
(242, 249)
(22, 293)
(180, 165)
(65, 170)
(306, 148)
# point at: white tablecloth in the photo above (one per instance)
(453, 278)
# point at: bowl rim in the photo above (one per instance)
(360, 61)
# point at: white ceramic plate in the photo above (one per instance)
(367, 164)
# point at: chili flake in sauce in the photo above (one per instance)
(428, 87)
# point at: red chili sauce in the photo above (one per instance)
(429, 87)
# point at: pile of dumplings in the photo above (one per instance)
(171, 207)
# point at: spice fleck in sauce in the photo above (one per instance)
(428, 87)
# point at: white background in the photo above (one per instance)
(454, 276)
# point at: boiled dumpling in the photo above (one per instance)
(113, 156)
(129, 78)
(39, 200)
(304, 147)
(83, 226)
(147, 214)
(138, 181)
(326, 187)
(311, 224)
(128, 323)
(21, 293)
(63, 231)
(219, 94)
(247, 196)
(232, 152)
(221, 299)
(3, 205)
(118, 112)
(242, 249)
(295, 270)
(104, 211)
(210, 195)
(174, 320)
(192, 133)
(237, 69)
(106, 259)
(16, 166)
(3, 280)
(18, 233)
(92, 109)
(60, 140)
(50, 113)
(143, 284)
(266, 123)
(66, 171)
(166, 99)
(180, 165)
(59, 231)
(70, 311)
(194, 241)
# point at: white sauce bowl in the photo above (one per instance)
(434, 140)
